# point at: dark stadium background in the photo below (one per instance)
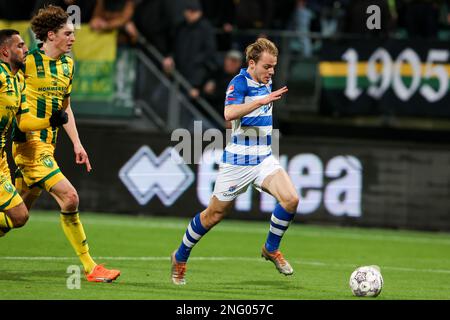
(401, 144)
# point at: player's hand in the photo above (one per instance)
(81, 157)
(273, 96)
(58, 118)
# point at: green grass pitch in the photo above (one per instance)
(226, 264)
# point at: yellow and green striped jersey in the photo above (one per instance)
(10, 97)
(47, 83)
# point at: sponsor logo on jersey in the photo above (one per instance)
(230, 89)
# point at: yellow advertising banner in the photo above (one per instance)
(94, 54)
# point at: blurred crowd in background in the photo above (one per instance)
(204, 39)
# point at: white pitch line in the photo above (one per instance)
(251, 229)
(245, 259)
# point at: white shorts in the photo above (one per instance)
(232, 180)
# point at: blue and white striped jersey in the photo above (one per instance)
(251, 137)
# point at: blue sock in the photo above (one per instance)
(279, 222)
(194, 232)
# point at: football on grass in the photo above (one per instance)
(366, 281)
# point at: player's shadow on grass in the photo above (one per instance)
(274, 284)
(27, 275)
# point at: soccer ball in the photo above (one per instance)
(366, 281)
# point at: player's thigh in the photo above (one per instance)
(9, 197)
(12, 204)
(231, 181)
(280, 185)
(29, 196)
(36, 167)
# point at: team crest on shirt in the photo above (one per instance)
(8, 187)
(65, 68)
(47, 161)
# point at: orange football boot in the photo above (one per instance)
(278, 260)
(101, 274)
(178, 271)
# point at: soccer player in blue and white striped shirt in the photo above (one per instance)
(247, 160)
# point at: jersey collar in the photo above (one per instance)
(6, 66)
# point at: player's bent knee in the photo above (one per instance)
(71, 201)
(19, 216)
(217, 216)
(213, 217)
(20, 221)
(291, 203)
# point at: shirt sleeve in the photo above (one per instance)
(27, 122)
(24, 119)
(23, 85)
(236, 91)
(69, 88)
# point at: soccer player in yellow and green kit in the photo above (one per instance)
(13, 212)
(48, 83)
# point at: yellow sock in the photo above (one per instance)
(5, 224)
(73, 229)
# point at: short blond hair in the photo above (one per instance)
(255, 50)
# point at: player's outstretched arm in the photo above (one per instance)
(81, 156)
(236, 111)
(27, 122)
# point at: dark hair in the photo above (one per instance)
(51, 18)
(6, 34)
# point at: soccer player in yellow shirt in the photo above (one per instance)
(13, 212)
(48, 83)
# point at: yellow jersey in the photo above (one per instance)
(47, 83)
(10, 98)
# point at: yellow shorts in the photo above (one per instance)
(36, 165)
(9, 198)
